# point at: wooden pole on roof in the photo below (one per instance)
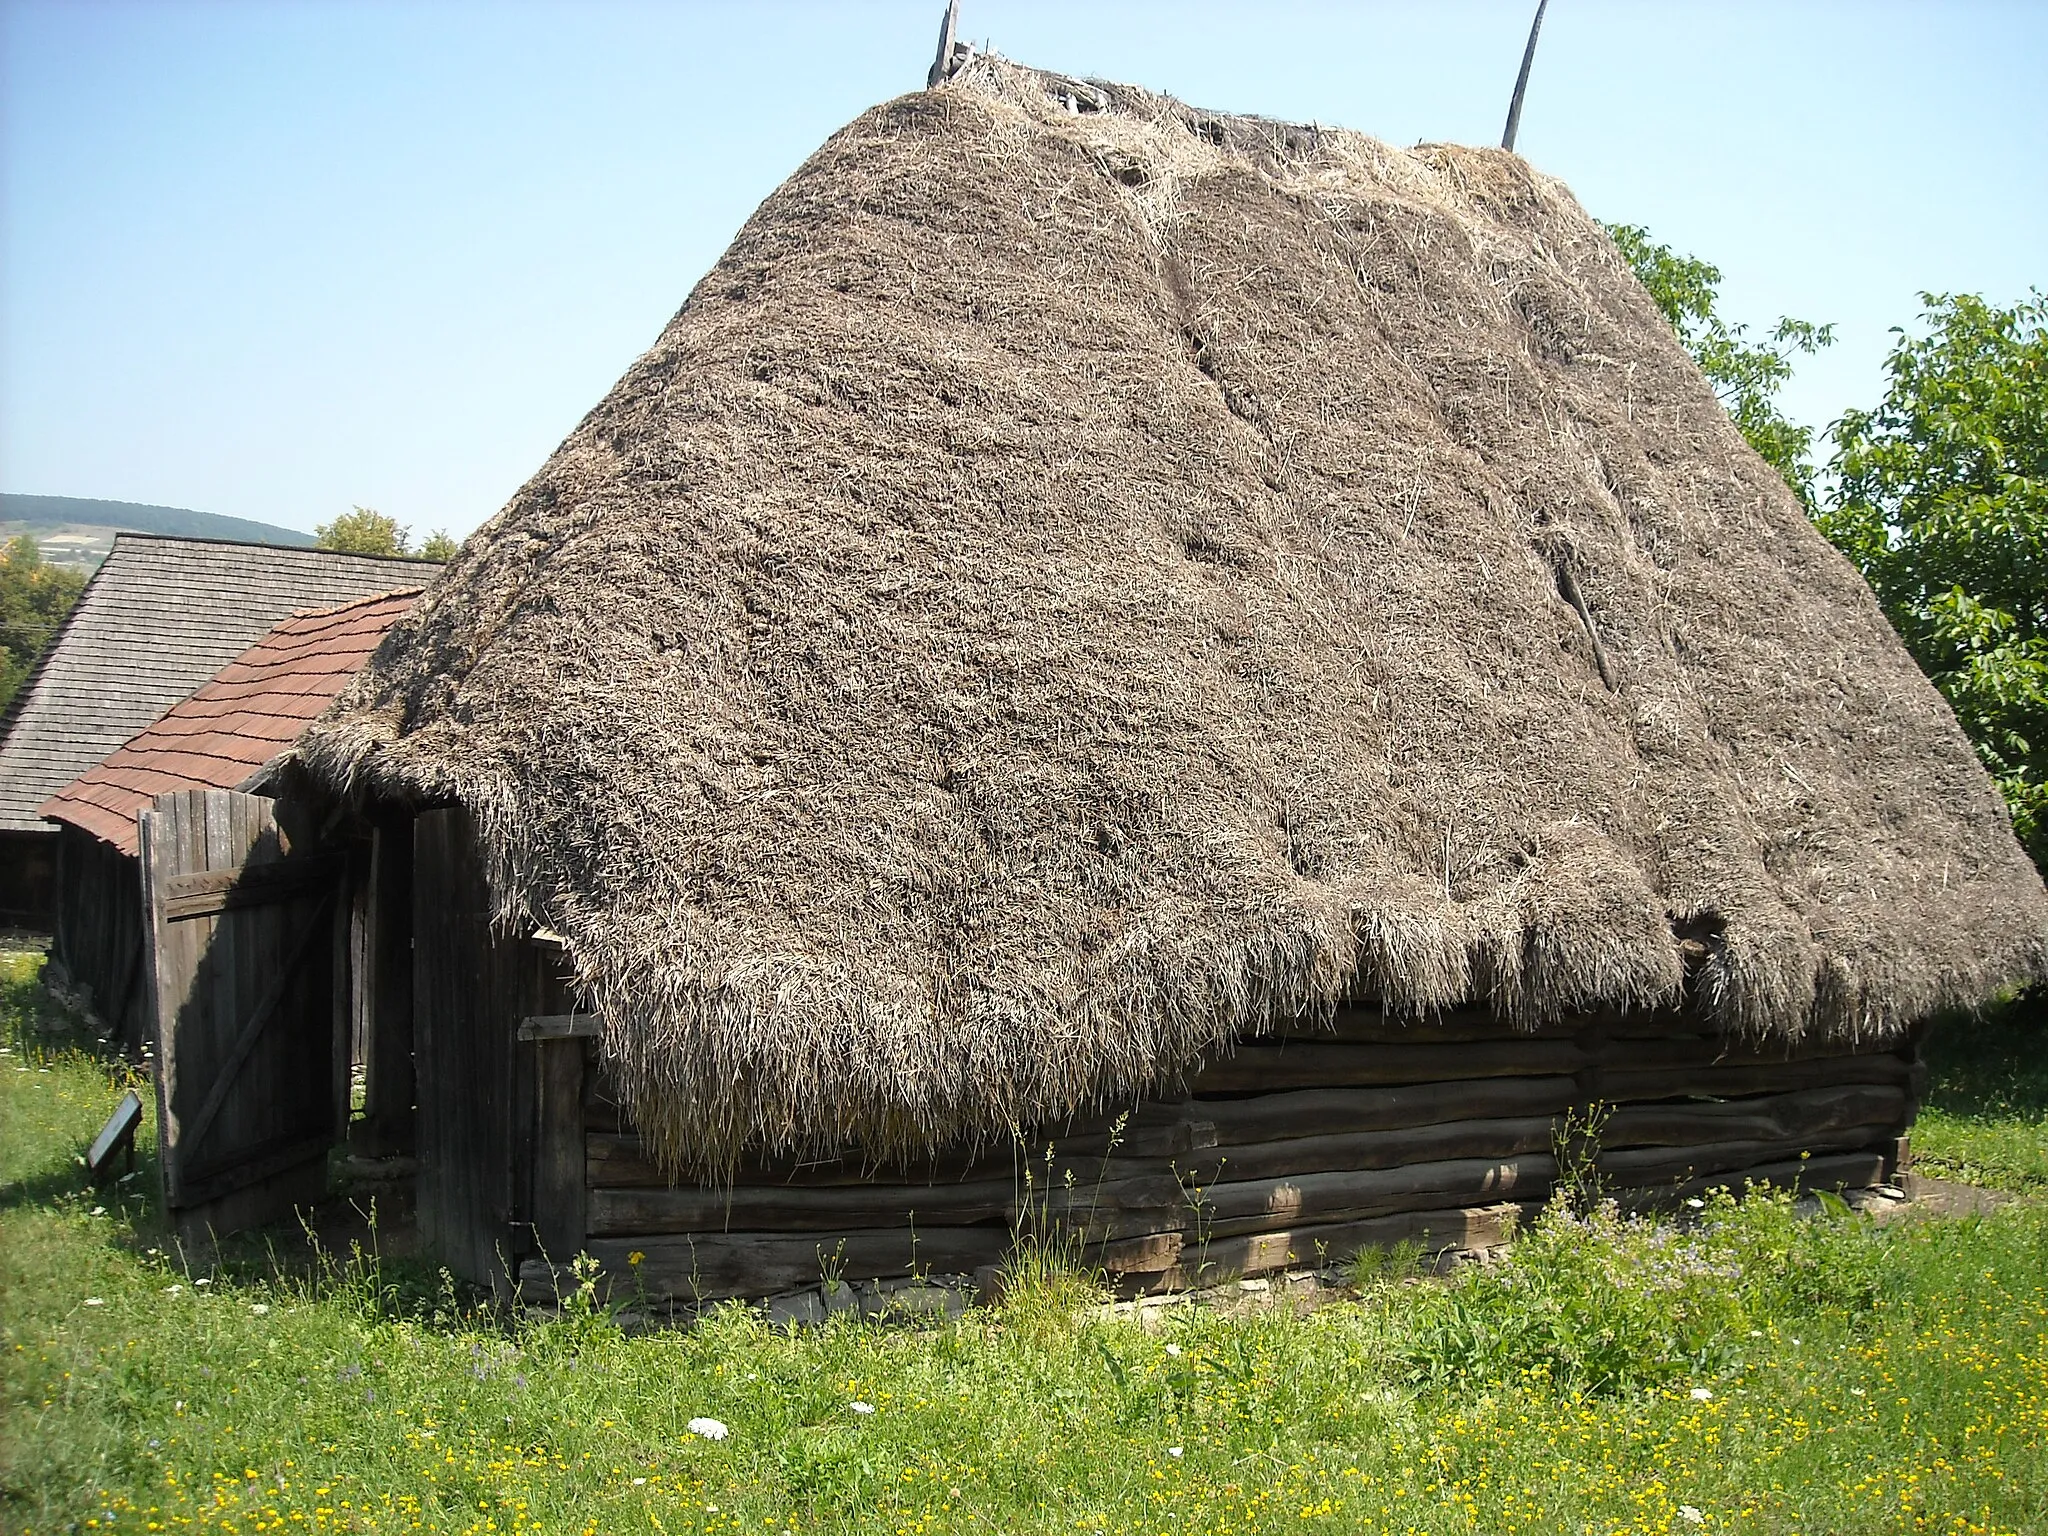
(1507, 138)
(942, 66)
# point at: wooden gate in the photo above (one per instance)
(244, 936)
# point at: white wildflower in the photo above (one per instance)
(172, 1290)
(1856, 1392)
(710, 1429)
(1174, 1451)
(1701, 1394)
(1690, 1515)
(1699, 1205)
(639, 1482)
(99, 1210)
(259, 1308)
(202, 1282)
(862, 1407)
(1173, 1350)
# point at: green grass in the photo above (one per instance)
(1770, 1374)
(1986, 1117)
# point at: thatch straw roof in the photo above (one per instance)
(1081, 575)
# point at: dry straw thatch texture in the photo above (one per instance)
(1082, 577)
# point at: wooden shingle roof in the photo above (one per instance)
(250, 711)
(159, 618)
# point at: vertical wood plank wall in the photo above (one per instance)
(243, 924)
(98, 935)
(475, 1096)
(387, 987)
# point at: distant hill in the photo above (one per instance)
(78, 530)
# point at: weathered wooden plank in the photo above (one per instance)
(1328, 1111)
(389, 1081)
(1313, 1064)
(227, 1069)
(205, 893)
(1773, 1117)
(1712, 1050)
(1727, 1081)
(1150, 1254)
(1437, 1230)
(707, 1266)
(779, 1208)
(561, 1026)
(618, 1160)
(560, 1195)
(243, 1001)
(1643, 1166)
(1271, 1204)
(1438, 1142)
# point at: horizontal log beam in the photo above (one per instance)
(1371, 1149)
(711, 1266)
(1341, 1064)
(1267, 1204)
(1727, 1081)
(1773, 1117)
(618, 1160)
(1336, 1111)
(1438, 1231)
(1715, 1050)
(783, 1208)
(1641, 1167)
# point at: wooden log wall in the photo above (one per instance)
(1294, 1150)
(97, 934)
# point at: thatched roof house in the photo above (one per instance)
(159, 617)
(1085, 582)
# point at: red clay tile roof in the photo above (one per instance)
(251, 710)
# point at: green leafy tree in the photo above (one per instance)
(1942, 502)
(34, 598)
(364, 531)
(440, 545)
(1746, 374)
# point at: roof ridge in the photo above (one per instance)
(354, 602)
(302, 549)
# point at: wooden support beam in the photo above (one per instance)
(561, 1026)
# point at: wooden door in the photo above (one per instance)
(242, 915)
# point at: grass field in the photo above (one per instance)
(1986, 1117)
(1755, 1372)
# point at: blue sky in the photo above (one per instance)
(276, 259)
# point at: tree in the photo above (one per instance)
(363, 531)
(1942, 503)
(366, 531)
(1746, 375)
(34, 598)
